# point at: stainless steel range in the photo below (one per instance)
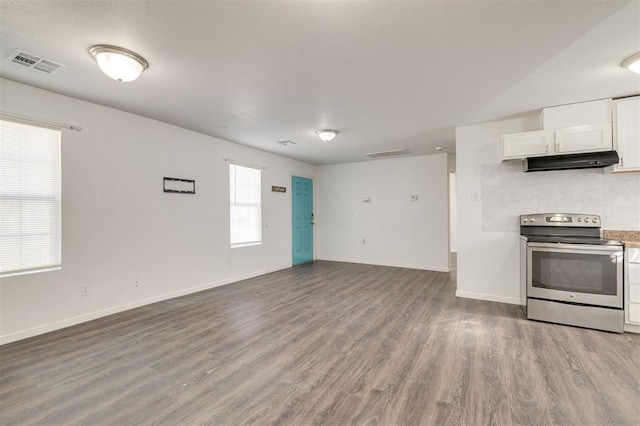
(571, 275)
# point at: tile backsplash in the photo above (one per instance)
(508, 192)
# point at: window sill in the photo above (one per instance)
(238, 245)
(29, 271)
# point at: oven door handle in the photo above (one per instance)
(576, 248)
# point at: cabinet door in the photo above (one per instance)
(563, 116)
(632, 287)
(528, 144)
(627, 133)
(584, 139)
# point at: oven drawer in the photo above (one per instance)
(580, 316)
(576, 273)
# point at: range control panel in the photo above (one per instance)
(561, 219)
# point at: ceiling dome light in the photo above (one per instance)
(118, 63)
(633, 63)
(327, 135)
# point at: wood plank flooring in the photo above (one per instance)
(324, 343)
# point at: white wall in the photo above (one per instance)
(128, 241)
(492, 195)
(396, 231)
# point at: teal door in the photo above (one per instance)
(302, 211)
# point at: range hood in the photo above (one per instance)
(588, 160)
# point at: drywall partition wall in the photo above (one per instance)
(366, 213)
(123, 237)
(493, 194)
(488, 262)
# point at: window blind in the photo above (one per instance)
(245, 201)
(30, 198)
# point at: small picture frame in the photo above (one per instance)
(179, 186)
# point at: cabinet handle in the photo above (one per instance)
(546, 148)
(557, 146)
(621, 162)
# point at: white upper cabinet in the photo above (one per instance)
(576, 139)
(528, 144)
(626, 133)
(583, 113)
(567, 129)
(572, 140)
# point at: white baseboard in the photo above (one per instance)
(631, 328)
(392, 264)
(488, 297)
(57, 325)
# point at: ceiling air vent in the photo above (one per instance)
(387, 153)
(33, 61)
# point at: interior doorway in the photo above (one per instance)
(453, 250)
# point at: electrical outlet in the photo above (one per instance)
(84, 290)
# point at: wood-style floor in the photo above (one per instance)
(325, 343)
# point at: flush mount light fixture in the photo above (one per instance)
(633, 63)
(118, 63)
(326, 135)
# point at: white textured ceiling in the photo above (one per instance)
(386, 74)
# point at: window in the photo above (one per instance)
(246, 208)
(30, 199)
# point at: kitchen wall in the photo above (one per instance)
(128, 241)
(492, 194)
(391, 229)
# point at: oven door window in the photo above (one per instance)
(573, 272)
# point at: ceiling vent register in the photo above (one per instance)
(33, 61)
(389, 153)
